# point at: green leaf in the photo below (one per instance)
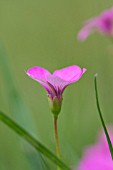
(101, 117)
(20, 112)
(35, 143)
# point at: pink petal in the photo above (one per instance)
(97, 156)
(70, 74)
(102, 23)
(105, 21)
(84, 70)
(93, 159)
(38, 73)
(57, 83)
(87, 29)
(84, 33)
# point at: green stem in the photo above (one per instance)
(56, 138)
(101, 118)
(30, 139)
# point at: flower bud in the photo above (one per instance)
(55, 105)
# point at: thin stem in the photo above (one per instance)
(101, 118)
(56, 138)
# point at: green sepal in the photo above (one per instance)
(55, 105)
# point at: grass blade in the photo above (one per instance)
(36, 144)
(20, 112)
(101, 117)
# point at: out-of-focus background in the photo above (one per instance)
(44, 33)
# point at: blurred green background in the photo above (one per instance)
(43, 33)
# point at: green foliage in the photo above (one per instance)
(21, 112)
(35, 143)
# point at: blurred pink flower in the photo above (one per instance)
(56, 83)
(97, 156)
(102, 23)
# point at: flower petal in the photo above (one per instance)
(96, 157)
(70, 74)
(38, 73)
(102, 23)
(105, 21)
(57, 83)
(88, 28)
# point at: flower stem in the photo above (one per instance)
(101, 118)
(56, 138)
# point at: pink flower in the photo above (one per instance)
(56, 83)
(102, 23)
(97, 156)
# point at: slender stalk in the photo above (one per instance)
(101, 118)
(56, 138)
